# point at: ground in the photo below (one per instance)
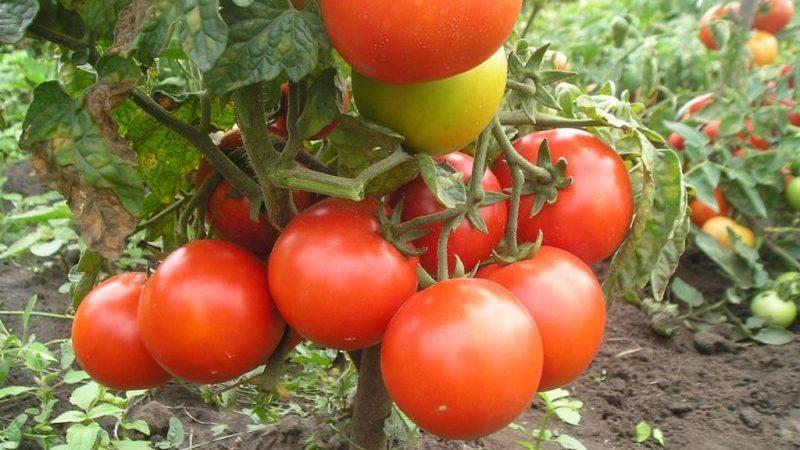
(700, 389)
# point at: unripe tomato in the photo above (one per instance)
(773, 15)
(566, 301)
(413, 41)
(718, 12)
(206, 315)
(470, 244)
(106, 337)
(718, 227)
(462, 358)
(676, 141)
(763, 47)
(769, 305)
(334, 277)
(793, 193)
(592, 216)
(697, 104)
(702, 212)
(436, 117)
(278, 126)
(712, 130)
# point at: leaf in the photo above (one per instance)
(13, 391)
(83, 437)
(72, 416)
(103, 410)
(321, 105)
(175, 434)
(21, 245)
(745, 270)
(204, 34)
(443, 181)
(84, 396)
(774, 336)
(642, 431)
(132, 445)
(15, 16)
(101, 15)
(26, 314)
(704, 178)
(266, 40)
(670, 256)
(742, 193)
(569, 416)
(85, 273)
(75, 376)
(47, 248)
(569, 442)
(687, 293)
(137, 425)
(658, 437)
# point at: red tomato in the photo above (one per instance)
(702, 212)
(738, 153)
(791, 114)
(466, 241)
(206, 315)
(718, 12)
(756, 141)
(697, 104)
(411, 41)
(462, 358)
(566, 301)
(676, 141)
(335, 279)
(278, 126)
(592, 216)
(712, 130)
(106, 338)
(228, 212)
(773, 15)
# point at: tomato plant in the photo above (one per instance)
(702, 212)
(106, 337)
(206, 315)
(502, 355)
(436, 117)
(571, 317)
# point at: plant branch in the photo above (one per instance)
(513, 158)
(422, 221)
(518, 178)
(516, 118)
(161, 214)
(76, 45)
(783, 255)
(371, 405)
(443, 268)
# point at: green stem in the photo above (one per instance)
(161, 214)
(479, 166)
(293, 143)
(542, 435)
(518, 178)
(522, 88)
(444, 236)
(423, 221)
(36, 313)
(307, 159)
(783, 255)
(532, 18)
(56, 37)
(514, 158)
(516, 118)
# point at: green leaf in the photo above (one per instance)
(26, 314)
(84, 275)
(84, 396)
(744, 269)
(443, 181)
(175, 434)
(22, 244)
(72, 416)
(569, 416)
(15, 16)
(687, 293)
(132, 445)
(47, 248)
(204, 34)
(137, 425)
(569, 442)
(704, 178)
(83, 437)
(75, 376)
(642, 431)
(774, 336)
(742, 193)
(267, 40)
(670, 256)
(321, 105)
(658, 437)
(101, 15)
(13, 391)
(103, 410)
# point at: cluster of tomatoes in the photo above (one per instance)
(772, 16)
(462, 357)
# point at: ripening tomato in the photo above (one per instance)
(763, 47)
(592, 216)
(697, 104)
(278, 126)
(106, 338)
(712, 130)
(717, 227)
(413, 41)
(206, 315)
(702, 212)
(718, 12)
(566, 302)
(469, 243)
(773, 15)
(436, 117)
(676, 141)
(462, 358)
(335, 279)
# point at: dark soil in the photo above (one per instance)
(702, 390)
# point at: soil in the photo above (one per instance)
(702, 390)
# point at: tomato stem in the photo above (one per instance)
(371, 405)
(512, 244)
(513, 158)
(516, 118)
(293, 143)
(444, 237)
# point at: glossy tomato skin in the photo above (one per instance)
(278, 126)
(702, 212)
(676, 141)
(413, 41)
(763, 47)
(592, 216)
(774, 15)
(335, 279)
(106, 337)
(462, 358)
(206, 315)
(566, 301)
(470, 244)
(436, 117)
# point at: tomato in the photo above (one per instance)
(702, 212)
(206, 315)
(462, 358)
(773, 15)
(791, 114)
(413, 41)
(718, 12)
(712, 130)
(763, 47)
(278, 126)
(793, 193)
(566, 301)
(676, 141)
(558, 59)
(697, 104)
(786, 71)
(717, 227)
(106, 338)
(769, 305)
(592, 216)
(466, 241)
(228, 212)
(335, 279)
(436, 117)
(738, 153)
(756, 141)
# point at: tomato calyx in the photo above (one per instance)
(535, 79)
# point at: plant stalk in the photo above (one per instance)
(372, 404)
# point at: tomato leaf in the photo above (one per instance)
(643, 431)
(15, 16)
(741, 192)
(774, 336)
(687, 293)
(443, 181)
(670, 256)
(321, 105)
(744, 269)
(704, 178)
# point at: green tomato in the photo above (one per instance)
(776, 310)
(436, 117)
(793, 193)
